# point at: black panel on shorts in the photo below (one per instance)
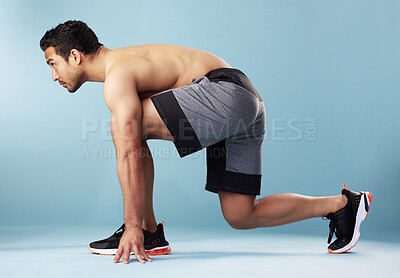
(219, 179)
(216, 163)
(185, 139)
(242, 183)
(233, 75)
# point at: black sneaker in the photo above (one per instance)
(345, 223)
(154, 243)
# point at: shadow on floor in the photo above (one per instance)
(216, 255)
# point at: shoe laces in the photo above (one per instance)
(335, 227)
(120, 230)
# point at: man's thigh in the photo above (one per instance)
(153, 126)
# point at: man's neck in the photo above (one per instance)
(95, 69)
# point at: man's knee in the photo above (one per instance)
(237, 209)
(236, 222)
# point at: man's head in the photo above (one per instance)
(64, 47)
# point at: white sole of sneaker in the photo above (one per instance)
(111, 252)
(362, 213)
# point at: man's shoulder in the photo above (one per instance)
(125, 65)
(119, 85)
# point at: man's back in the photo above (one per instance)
(159, 67)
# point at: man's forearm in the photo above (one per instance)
(130, 167)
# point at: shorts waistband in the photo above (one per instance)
(224, 74)
(232, 75)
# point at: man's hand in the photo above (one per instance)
(131, 241)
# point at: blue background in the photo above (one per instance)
(328, 72)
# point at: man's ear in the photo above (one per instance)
(75, 56)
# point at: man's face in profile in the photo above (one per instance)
(65, 72)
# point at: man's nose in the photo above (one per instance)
(54, 75)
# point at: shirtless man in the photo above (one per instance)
(196, 100)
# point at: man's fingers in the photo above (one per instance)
(138, 255)
(145, 255)
(126, 255)
(118, 255)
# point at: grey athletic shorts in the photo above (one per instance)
(224, 113)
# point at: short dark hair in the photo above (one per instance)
(72, 34)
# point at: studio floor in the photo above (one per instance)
(55, 251)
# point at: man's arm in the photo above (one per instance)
(122, 99)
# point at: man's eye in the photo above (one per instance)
(53, 65)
